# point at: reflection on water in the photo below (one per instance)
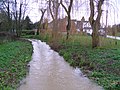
(49, 71)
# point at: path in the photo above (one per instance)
(49, 71)
(113, 37)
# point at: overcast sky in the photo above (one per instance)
(113, 11)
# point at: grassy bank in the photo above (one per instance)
(14, 57)
(101, 64)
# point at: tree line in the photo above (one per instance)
(14, 12)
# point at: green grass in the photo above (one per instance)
(14, 57)
(101, 64)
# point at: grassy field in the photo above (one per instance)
(14, 57)
(101, 64)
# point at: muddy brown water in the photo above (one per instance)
(49, 71)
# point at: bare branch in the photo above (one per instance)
(70, 6)
(100, 3)
(91, 18)
(64, 6)
(51, 10)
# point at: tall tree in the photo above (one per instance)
(54, 8)
(68, 11)
(15, 12)
(43, 4)
(6, 8)
(95, 23)
(4, 26)
(19, 9)
(41, 19)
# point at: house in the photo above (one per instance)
(62, 23)
(85, 26)
(76, 26)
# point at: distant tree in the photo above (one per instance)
(5, 8)
(15, 12)
(27, 24)
(3, 21)
(118, 27)
(43, 4)
(45, 24)
(36, 25)
(95, 20)
(41, 19)
(114, 30)
(19, 8)
(82, 20)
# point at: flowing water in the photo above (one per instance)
(49, 71)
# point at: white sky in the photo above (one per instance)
(113, 12)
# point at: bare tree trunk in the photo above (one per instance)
(6, 9)
(19, 13)
(19, 20)
(95, 24)
(16, 18)
(68, 26)
(68, 11)
(9, 17)
(11, 9)
(95, 37)
(54, 15)
(41, 19)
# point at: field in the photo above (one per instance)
(101, 64)
(14, 57)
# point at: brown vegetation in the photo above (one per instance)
(8, 35)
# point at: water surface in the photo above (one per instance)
(49, 71)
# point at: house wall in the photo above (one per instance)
(62, 26)
(73, 28)
(81, 26)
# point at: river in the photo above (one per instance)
(49, 71)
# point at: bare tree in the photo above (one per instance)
(19, 10)
(54, 8)
(41, 19)
(15, 13)
(6, 9)
(68, 11)
(43, 5)
(95, 23)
